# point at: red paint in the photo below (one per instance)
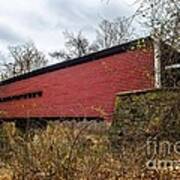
(87, 89)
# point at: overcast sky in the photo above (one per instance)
(43, 21)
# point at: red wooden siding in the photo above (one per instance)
(85, 90)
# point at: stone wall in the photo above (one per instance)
(146, 129)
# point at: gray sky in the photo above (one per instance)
(43, 21)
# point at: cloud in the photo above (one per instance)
(73, 14)
(44, 20)
(8, 35)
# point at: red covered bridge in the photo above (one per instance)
(83, 87)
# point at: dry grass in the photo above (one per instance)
(68, 151)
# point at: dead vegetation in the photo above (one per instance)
(68, 151)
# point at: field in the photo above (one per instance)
(69, 151)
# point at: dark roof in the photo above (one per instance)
(91, 57)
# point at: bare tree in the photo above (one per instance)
(162, 18)
(76, 45)
(113, 32)
(3, 67)
(24, 58)
(109, 33)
